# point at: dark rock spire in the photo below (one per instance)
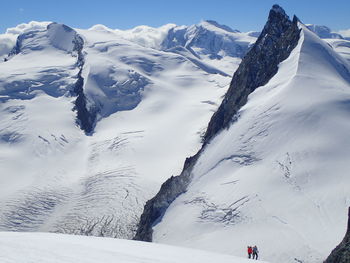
(278, 38)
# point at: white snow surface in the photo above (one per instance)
(8, 39)
(342, 46)
(59, 248)
(278, 177)
(345, 33)
(153, 106)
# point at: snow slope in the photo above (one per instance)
(8, 39)
(342, 46)
(58, 248)
(338, 40)
(277, 177)
(150, 108)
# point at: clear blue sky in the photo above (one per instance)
(244, 15)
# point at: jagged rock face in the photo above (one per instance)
(278, 38)
(341, 254)
(156, 207)
(86, 117)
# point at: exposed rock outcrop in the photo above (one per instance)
(156, 207)
(341, 254)
(278, 38)
(86, 116)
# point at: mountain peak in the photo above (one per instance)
(63, 37)
(277, 22)
(277, 9)
(216, 24)
(278, 38)
(56, 35)
(323, 31)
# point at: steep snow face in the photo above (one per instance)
(150, 108)
(277, 177)
(63, 37)
(58, 248)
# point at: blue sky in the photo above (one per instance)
(244, 15)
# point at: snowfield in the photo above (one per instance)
(151, 104)
(59, 248)
(278, 177)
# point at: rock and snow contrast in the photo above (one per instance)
(59, 248)
(274, 173)
(94, 122)
(341, 254)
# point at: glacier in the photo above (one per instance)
(92, 122)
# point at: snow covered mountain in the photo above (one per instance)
(273, 167)
(323, 31)
(92, 122)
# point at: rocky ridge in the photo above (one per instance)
(278, 38)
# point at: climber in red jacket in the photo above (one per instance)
(250, 251)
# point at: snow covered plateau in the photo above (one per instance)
(94, 121)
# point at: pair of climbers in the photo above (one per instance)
(253, 251)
